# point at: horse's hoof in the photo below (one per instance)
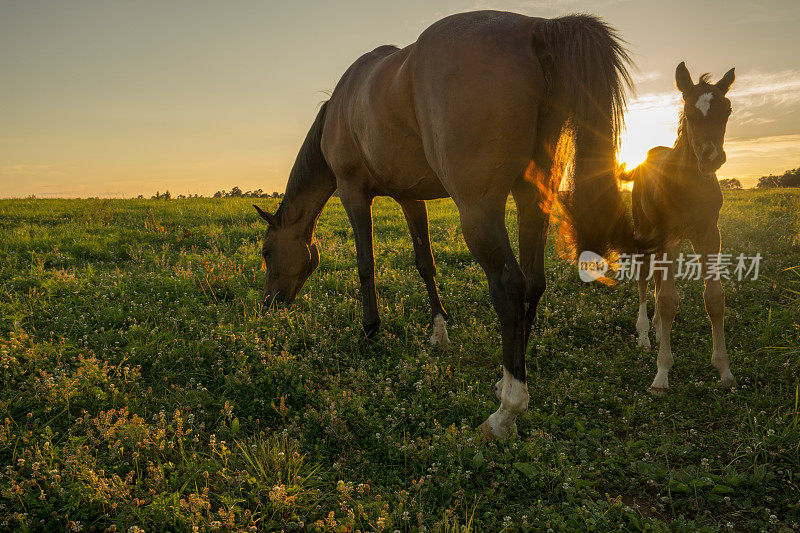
(371, 329)
(643, 342)
(486, 431)
(498, 433)
(728, 381)
(439, 336)
(657, 391)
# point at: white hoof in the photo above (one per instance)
(513, 401)
(660, 384)
(728, 381)
(439, 336)
(498, 426)
(643, 341)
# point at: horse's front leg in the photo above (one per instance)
(358, 206)
(486, 236)
(417, 218)
(708, 245)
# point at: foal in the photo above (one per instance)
(676, 196)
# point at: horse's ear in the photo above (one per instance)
(683, 80)
(266, 216)
(727, 80)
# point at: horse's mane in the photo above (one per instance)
(309, 165)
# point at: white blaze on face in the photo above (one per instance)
(704, 103)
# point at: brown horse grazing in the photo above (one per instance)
(676, 196)
(472, 110)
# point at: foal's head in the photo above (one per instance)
(289, 257)
(706, 111)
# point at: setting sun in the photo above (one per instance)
(650, 121)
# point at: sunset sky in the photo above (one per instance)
(115, 99)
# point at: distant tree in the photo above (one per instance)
(767, 182)
(157, 196)
(217, 194)
(790, 178)
(181, 196)
(141, 196)
(166, 196)
(730, 183)
(236, 192)
(276, 194)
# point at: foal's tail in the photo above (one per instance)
(588, 67)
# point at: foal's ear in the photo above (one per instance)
(683, 79)
(727, 80)
(266, 216)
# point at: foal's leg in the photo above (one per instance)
(359, 210)
(642, 323)
(666, 305)
(656, 322)
(417, 218)
(714, 299)
(486, 236)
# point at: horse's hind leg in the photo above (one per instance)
(666, 305)
(359, 210)
(417, 217)
(485, 233)
(532, 225)
(708, 246)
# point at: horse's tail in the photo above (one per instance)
(588, 70)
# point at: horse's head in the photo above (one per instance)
(289, 257)
(706, 111)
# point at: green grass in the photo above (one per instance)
(142, 387)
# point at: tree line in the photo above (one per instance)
(235, 192)
(790, 178)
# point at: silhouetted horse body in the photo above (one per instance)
(676, 196)
(473, 110)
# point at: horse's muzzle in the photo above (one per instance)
(711, 158)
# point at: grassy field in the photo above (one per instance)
(143, 389)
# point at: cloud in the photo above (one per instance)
(749, 159)
(758, 98)
(17, 171)
(772, 87)
(643, 77)
(775, 146)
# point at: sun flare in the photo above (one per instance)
(650, 121)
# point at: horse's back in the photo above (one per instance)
(463, 97)
(477, 89)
